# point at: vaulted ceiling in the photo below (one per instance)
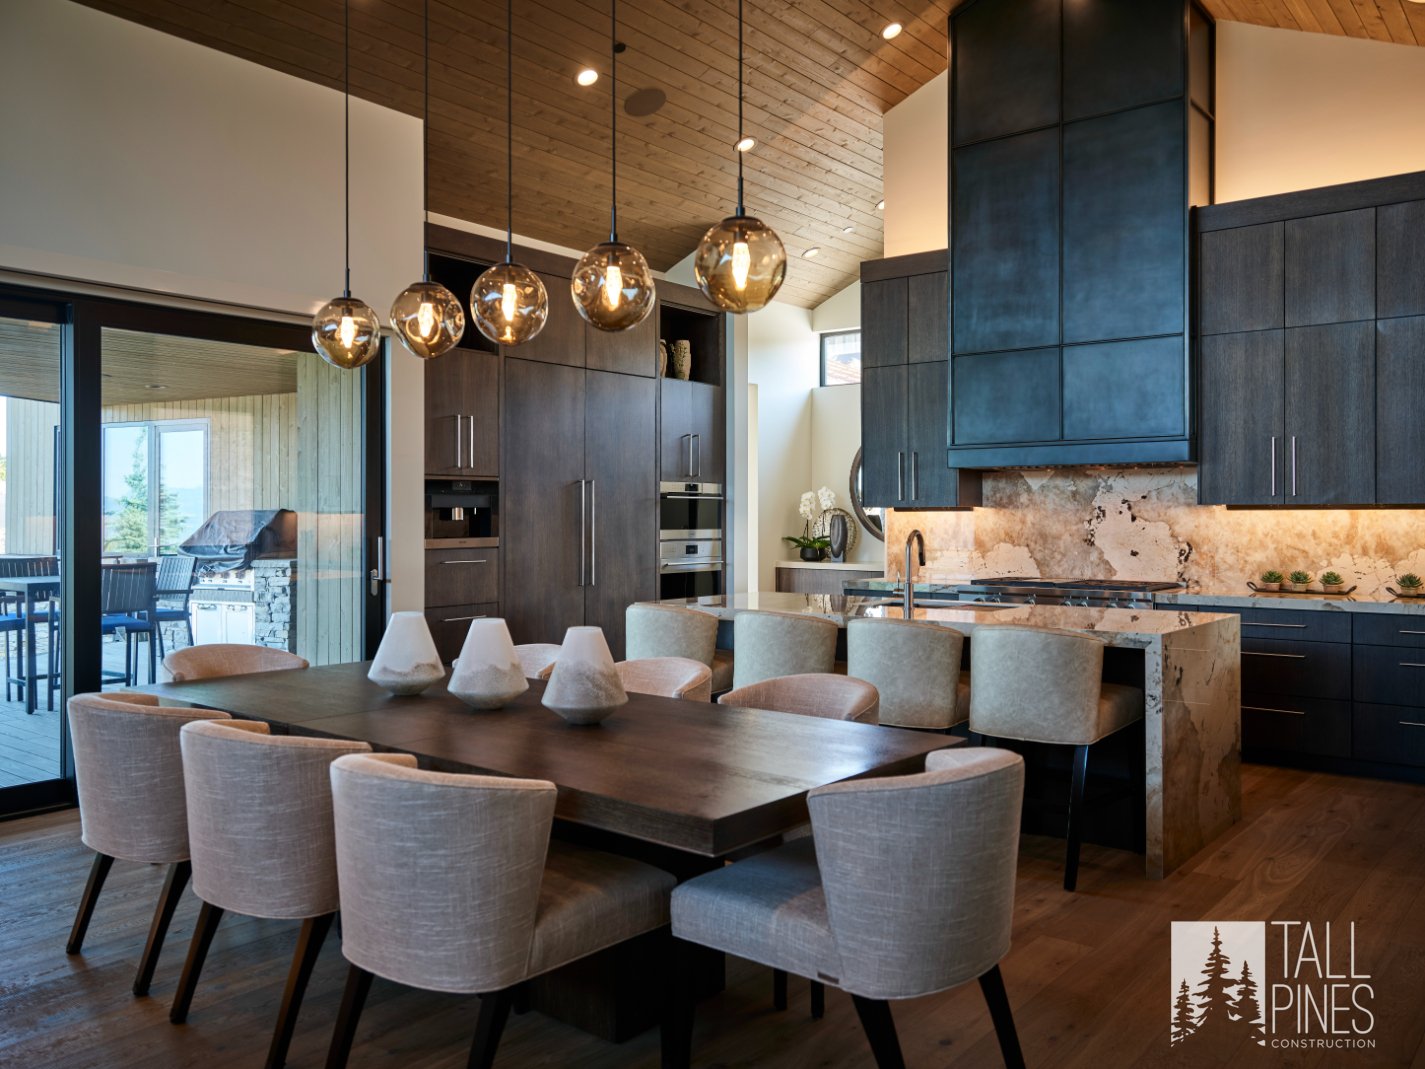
(1398, 21)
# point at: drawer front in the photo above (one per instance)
(1393, 734)
(1295, 625)
(462, 576)
(1309, 669)
(1389, 629)
(449, 625)
(1390, 675)
(1296, 725)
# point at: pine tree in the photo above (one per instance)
(1184, 1014)
(1212, 992)
(130, 529)
(1246, 1009)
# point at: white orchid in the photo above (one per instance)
(807, 508)
(827, 498)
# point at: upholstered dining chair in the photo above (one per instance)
(672, 677)
(771, 644)
(218, 659)
(888, 900)
(823, 694)
(537, 658)
(677, 631)
(915, 667)
(1044, 685)
(452, 883)
(130, 780)
(260, 832)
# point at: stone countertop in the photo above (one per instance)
(1133, 628)
(837, 566)
(1380, 601)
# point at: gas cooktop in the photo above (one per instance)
(1036, 590)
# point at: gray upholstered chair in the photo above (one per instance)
(218, 659)
(537, 658)
(451, 883)
(676, 631)
(1045, 685)
(130, 778)
(915, 666)
(823, 694)
(672, 677)
(771, 644)
(888, 900)
(260, 832)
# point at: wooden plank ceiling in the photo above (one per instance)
(1399, 21)
(819, 79)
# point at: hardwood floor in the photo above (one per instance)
(1088, 976)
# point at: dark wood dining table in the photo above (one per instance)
(681, 784)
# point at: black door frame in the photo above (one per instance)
(82, 319)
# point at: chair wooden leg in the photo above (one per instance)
(880, 1029)
(779, 989)
(178, 874)
(358, 985)
(203, 932)
(992, 984)
(677, 1032)
(1076, 816)
(494, 1012)
(304, 959)
(98, 873)
(818, 1000)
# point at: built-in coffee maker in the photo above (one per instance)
(462, 508)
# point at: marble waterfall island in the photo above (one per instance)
(1192, 686)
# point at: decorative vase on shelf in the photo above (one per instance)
(662, 358)
(836, 532)
(406, 662)
(681, 360)
(487, 673)
(584, 687)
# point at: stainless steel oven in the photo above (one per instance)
(690, 511)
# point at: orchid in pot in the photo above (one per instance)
(813, 504)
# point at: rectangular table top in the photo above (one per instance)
(705, 779)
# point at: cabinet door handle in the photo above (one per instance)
(1274, 466)
(1284, 656)
(594, 533)
(1411, 664)
(1295, 627)
(472, 440)
(462, 619)
(900, 475)
(1406, 631)
(1293, 465)
(583, 528)
(458, 439)
(914, 476)
(1269, 709)
(480, 561)
(1411, 724)
(698, 462)
(688, 467)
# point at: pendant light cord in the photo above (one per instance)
(741, 133)
(613, 119)
(509, 131)
(425, 139)
(346, 135)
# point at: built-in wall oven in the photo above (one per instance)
(690, 525)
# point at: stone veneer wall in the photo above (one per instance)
(1144, 523)
(274, 595)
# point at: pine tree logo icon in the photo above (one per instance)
(1216, 1008)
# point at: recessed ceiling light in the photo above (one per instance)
(847, 229)
(747, 144)
(812, 253)
(155, 386)
(880, 205)
(587, 76)
(894, 30)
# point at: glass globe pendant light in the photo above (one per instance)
(426, 316)
(508, 301)
(740, 264)
(345, 331)
(612, 285)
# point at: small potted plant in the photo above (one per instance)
(1271, 579)
(1332, 582)
(812, 549)
(1300, 580)
(1411, 585)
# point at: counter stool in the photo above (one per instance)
(823, 694)
(218, 659)
(671, 677)
(772, 644)
(1045, 685)
(537, 658)
(676, 631)
(915, 667)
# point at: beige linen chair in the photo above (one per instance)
(771, 644)
(451, 883)
(888, 900)
(260, 828)
(671, 677)
(823, 694)
(130, 779)
(219, 659)
(677, 631)
(537, 658)
(1046, 685)
(915, 667)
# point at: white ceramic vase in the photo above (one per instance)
(406, 662)
(584, 687)
(487, 673)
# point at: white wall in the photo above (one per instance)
(840, 311)
(835, 437)
(915, 143)
(141, 160)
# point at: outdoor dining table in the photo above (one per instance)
(681, 784)
(32, 591)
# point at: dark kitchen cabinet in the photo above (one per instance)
(884, 321)
(564, 337)
(676, 430)
(1400, 260)
(883, 430)
(1119, 55)
(1125, 389)
(1400, 414)
(1006, 68)
(904, 430)
(1331, 268)
(1242, 419)
(693, 437)
(932, 481)
(928, 315)
(449, 624)
(1330, 415)
(1006, 397)
(462, 414)
(1242, 273)
(631, 352)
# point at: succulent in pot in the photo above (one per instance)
(1300, 580)
(1271, 579)
(1411, 584)
(1332, 582)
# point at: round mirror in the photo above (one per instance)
(873, 519)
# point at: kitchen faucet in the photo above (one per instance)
(917, 539)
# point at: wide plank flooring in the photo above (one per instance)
(1087, 976)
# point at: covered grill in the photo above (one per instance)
(230, 540)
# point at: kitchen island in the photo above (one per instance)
(1191, 685)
